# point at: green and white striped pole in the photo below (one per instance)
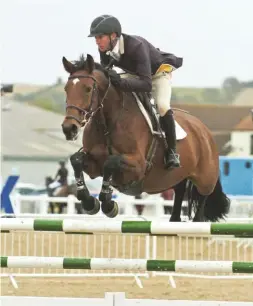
(126, 264)
(141, 227)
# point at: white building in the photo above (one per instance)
(242, 137)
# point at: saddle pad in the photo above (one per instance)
(180, 132)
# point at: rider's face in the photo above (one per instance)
(103, 42)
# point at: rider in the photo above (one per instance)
(60, 177)
(153, 68)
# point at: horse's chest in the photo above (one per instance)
(99, 153)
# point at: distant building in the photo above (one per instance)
(33, 143)
(220, 119)
(242, 137)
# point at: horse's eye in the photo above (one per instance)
(87, 89)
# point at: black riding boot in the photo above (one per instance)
(168, 125)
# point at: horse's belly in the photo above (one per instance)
(159, 181)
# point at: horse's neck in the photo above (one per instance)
(117, 103)
(114, 111)
(112, 104)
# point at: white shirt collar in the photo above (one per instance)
(118, 50)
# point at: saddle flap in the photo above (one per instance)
(152, 117)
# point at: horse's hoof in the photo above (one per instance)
(175, 220)
(91, 205)
(110, 209)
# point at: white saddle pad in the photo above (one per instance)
(180, 132)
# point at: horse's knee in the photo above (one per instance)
(78, 159)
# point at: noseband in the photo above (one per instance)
(87, 113)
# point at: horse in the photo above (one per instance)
(63, 191)
(119, 145)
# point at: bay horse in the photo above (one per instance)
(119, 146)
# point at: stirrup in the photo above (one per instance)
(173, 152)
(172, 160)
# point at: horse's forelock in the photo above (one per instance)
(89, 65)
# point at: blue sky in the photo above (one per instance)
(213, 36)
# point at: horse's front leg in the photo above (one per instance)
(114, 165)
(111, 166)
(79, 162)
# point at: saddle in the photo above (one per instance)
(148, 108)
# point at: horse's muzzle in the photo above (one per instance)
(70, 131)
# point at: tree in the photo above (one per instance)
(248, 84)
(230, 87)
(59, 81)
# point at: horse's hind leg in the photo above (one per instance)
(199, 215)
(178, 201)
(196, 201)
(79, 161)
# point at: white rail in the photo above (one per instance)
(240, 205)
(132, 246)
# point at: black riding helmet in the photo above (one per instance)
(105, 25)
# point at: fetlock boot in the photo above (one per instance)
(168, 125)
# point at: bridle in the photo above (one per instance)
(90, 113)
(94, 94)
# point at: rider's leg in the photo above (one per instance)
(161, 91)
(54, 185)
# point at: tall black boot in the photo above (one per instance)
(168, 125)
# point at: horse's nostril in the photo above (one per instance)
(69, 130)
(74, 128)
(66, 128)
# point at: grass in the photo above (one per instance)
(53, 97)
(24, 89)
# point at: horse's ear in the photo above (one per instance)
(68, 66)
(90, 65)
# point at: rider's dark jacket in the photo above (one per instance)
(141, 58)
(63, 175)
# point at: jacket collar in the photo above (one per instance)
(118, 50)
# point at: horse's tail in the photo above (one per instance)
(216, 206)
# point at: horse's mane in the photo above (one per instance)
(81, 64)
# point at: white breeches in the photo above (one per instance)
(161, 90)
(54, 184)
